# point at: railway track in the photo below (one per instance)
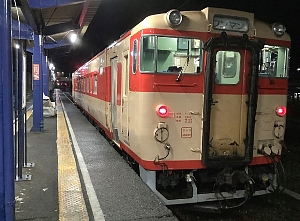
(272, 207)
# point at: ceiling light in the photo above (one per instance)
(73, 37)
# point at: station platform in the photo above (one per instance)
(78, 175)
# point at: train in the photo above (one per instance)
(196, 102)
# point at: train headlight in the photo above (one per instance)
(279, 29)
(281, 111)
(174, 17)
(265, 177)
(162, 111)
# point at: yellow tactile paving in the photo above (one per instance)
(28, 114)
(71, 202)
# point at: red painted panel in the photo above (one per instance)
(273, 85)
(167, 83)
(277, 42)
(263, 160)
(151, 31)
(172, 165)
(159, 82)
(101, 85)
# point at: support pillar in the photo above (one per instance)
(7, 178)
(37, 75)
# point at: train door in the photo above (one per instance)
(230, 103)
(229, 110)
(114, 83)
(125, 89)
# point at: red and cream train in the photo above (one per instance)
(197, 99)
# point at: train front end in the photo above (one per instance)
(209, 88)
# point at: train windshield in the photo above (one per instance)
(171, 55)
(274, 62)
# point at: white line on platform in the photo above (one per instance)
(292, 193)
(95, 206)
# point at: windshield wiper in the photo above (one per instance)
(179, 76)
(187, 62)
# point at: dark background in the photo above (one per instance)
(115, 17)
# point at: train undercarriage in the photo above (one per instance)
(226, 188)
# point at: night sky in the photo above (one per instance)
(115, 17)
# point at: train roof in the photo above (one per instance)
(202, 21)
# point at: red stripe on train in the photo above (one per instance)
(181, 164)
(273, 86)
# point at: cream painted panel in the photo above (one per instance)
(266, 117)
(144, 121)
(96, 108)
(228, 123)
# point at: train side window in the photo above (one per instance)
(228, 65)
(134, 56)
(91, 84)
(274, 61)
(84, 84)
(95, 84)
(168, 54)
(125, 74)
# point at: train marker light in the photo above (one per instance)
(281, 111)
(279, 29)
(162, 111)
(174, 17)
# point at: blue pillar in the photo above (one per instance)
(45, 76)
(37, 77)
(7, 178)
(21, 110)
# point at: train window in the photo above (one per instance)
(95, 83)
(125, 74)
(134, 55)
(170, 55)
(91, 84)
(274, 61)
(84, 84)
(228, 64)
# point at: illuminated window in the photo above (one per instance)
(125, 75)
(91, 84)
(95, 84)
(171, 55)
(83, 85)
(274, 62)
(134, 56)
(228, 65)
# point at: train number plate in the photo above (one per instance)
(186, 132)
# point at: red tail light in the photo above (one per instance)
(281, 111)
(162, 111)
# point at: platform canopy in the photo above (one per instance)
(55, 20)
